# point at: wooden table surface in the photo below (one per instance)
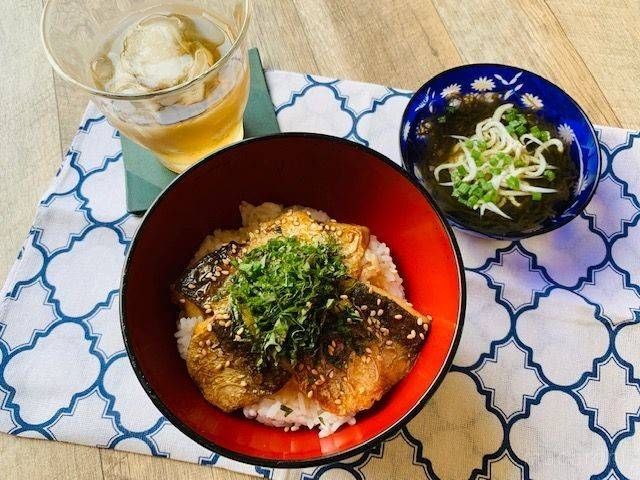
(588, 48)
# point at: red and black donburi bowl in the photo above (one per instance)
(352, 184)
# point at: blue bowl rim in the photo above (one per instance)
(419, 93)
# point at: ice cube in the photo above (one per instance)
(157, 52)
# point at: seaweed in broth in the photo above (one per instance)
(462, 121)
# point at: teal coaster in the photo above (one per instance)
(146, 177)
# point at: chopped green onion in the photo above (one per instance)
(464, 187)
(550, 175)
(442, 119)
(536, 196)
(513, 183)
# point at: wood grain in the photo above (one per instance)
(525, 33)
(28, 111)
(607, 40)
(589, 48)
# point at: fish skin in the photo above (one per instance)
(198, 285)
(356, 382)
(234, 385)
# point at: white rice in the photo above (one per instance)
(288, 408)
(184, 334)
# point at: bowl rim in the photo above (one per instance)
(419, 93)
(315, 461)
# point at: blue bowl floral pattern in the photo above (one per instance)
(525, 89)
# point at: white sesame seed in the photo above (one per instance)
(310, 394)
(227, 363)
(398, 317)
(368, 350)
(363, 307)
(419, 321)
(421, 336)
(378, 301)
(429, 317)
(388, 342)
(380, 312)
(344, 297)
(243, 383)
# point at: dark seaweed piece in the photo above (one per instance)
(200, 282)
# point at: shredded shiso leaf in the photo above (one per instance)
(282, 293)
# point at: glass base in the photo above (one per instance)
(178, 163)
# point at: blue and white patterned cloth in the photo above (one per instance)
(545, 384)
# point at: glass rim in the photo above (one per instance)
(141, 96)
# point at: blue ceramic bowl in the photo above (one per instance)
(525, 89)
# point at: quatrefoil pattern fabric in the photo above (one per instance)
(545, 383)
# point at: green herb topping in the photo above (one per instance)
(282, 292)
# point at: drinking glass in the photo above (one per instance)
(179, 124)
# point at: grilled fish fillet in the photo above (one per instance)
(352, 240)
(347, 382)
(224, 369)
